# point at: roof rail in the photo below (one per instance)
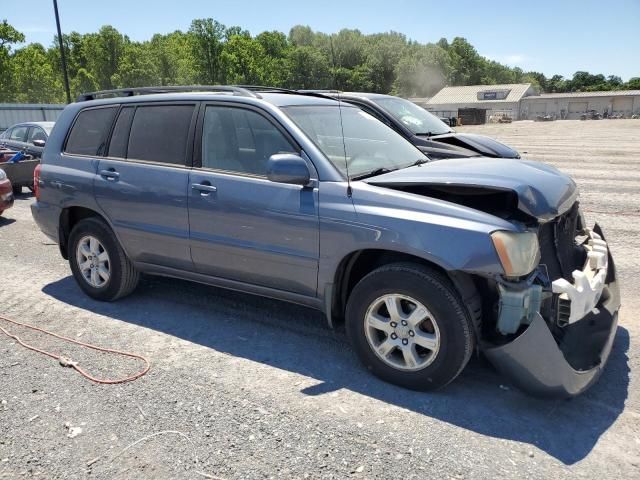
(309, 93)
(262, 88)
(130, 92)
(326, 91)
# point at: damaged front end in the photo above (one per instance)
(553, 331)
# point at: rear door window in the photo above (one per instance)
(89, 132)
(160, 133)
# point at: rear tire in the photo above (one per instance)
(98, 262)
(428, 338)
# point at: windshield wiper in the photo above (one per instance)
(373, 173)
(420, 161)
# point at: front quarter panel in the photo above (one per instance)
(451, 236)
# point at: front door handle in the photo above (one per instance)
(203, 188)
(110, 175)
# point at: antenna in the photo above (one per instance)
(344, 149)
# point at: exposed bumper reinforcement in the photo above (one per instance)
(588, 283)
(542, 367)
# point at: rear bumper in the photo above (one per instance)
(539, 365)
(6, 195)
(47, 218)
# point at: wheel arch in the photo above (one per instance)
(354, 266)
(69, 217)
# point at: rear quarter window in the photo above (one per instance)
(89, 132)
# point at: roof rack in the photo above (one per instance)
(326, 91)
(262, 88)
(130, 92)
(309, 93)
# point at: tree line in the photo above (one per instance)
(212, 53)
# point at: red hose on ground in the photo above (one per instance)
(68, 363)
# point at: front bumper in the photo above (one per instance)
(542, 366)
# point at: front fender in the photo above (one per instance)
(454, 237)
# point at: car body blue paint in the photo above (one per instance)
(284, 237)
(289, 241)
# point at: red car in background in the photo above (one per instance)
(6, 192)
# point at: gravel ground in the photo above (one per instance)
(244, 387)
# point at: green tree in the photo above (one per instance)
(173, 55)
(212, 53)
(207, 43)
(422, 71)
(301, 36)
(466, 64)
(103, 51)
(633, 84)
(136, 67)
(384, 52)
(243, 60)
(35, 80)
(540, 80)
(307, 68)
(8, 37)
(83, 82)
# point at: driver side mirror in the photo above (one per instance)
(39, 143)
(288, 168)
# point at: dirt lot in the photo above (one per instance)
(243, 387)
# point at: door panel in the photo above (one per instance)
(242, 226)
(144, 193)
(147, 206)
(255, 231)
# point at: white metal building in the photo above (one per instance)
(521, 102)
(571, 105)
(12, 113)
(494, 99)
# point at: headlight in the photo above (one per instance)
(3, 175)
(519, 253)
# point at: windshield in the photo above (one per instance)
(368, 144)
(415, 118)
(48, 128)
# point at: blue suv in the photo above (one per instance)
(303, 198)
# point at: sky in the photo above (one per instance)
(552, 37)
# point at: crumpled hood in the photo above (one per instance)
(478, 143)
(543, 191)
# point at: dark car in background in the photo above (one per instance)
(28, 137)
(426, 131)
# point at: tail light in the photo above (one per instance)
(36, 181)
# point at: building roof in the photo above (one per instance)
(604, 93)
(470, 94)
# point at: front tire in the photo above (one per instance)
(98, 262)
(409, 326)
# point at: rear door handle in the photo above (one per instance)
(110, 175)
(203, 188)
